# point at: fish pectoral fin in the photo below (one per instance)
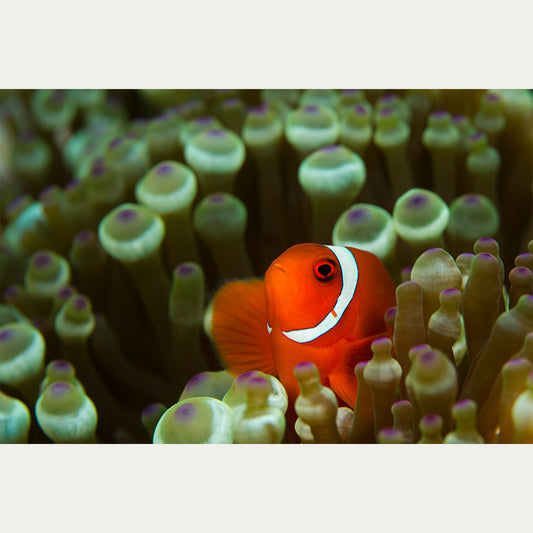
(239, 327)
(343, 380)
(361, 349)
(345, 387)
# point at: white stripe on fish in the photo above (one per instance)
(350, 275)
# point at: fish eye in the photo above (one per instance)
(324, 269)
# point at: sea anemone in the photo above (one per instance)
(123, 212)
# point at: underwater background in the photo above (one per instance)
(124, 211)
(283, 44)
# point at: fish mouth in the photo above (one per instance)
(277, 266)
(276, 274)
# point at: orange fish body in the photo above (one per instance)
(317, 303)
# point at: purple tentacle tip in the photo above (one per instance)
(59, 387)
(116, 142)
(42, 260)
(358, 214)
(387, 111)
(83, 236)
(391, 313)
(311, 109)
(331, 148)
(197, 379)
(305, 365)
(80, 303)
(150, 409)
(11, 292)
(40, 322)
(417, 200)
(427, 358)
(61, 364)
(216, 198)
(204, 120)
(476, 136)
(216, 133)
(163, 169)
(471, 199)
(360, 109)
(231, 102)
(98, 168)
(185, 411)
(388, 98)
(450, 291)
(257, 380)
(185, 269)
(6, 334)
(244, 377)
(19, 200)
(126, 215)
(64, 293)
(439, 114)
(47, 191)
(260, 110)
(72, 184)
(514, 363)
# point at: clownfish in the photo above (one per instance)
(317, 303)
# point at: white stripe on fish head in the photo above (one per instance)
(350, 275)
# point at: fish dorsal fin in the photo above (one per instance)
(239, 327)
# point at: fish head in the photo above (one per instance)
(302, 286)
(319, 294)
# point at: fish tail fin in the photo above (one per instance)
(237, 325)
